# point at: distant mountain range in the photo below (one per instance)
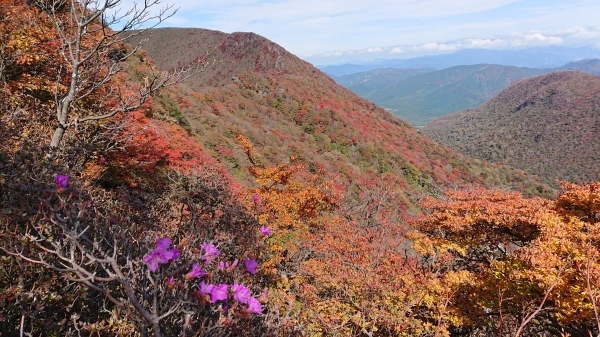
(540, 57)
(548, 125)
(422, 98)
(426, 95)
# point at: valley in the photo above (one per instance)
(420, 98)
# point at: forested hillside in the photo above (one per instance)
(286, 107)
(548, 125)
(215, 185)
(370, 82)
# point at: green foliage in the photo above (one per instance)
(166, 102)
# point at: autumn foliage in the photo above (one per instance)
(336, 214)
(525, 265)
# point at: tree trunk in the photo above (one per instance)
(57, 137)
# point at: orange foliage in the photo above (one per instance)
(527, 264)
(362, 281)
(28, 50)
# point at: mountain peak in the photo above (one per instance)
(227, 54)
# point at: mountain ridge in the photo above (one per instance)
(536, 57)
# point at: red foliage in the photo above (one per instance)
(157, 143)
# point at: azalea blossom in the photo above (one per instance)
(218, 293)
(264, 230)
(62, 181)
(210, 252)
(195, 272)
(176, 253)
(154, 258)
(205, 288)
(170, 283)
(254, 306)
(161, 254)
(251, 266)
(241, 293)
(163, 243)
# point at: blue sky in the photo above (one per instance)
(337, 31)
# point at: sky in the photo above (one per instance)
(340, 31)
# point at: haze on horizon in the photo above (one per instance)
(339, 31)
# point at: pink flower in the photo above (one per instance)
(241, 293)
(264, 230)
(254, 306)
(195, 272)
(176, 253)
(163, 243)
(62, 181)
(161, 254)
(251, 266)
(255, 198)
(154, 258)
(205, 288)
(210, 252)
(218, 293)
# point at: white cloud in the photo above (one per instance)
(374, 50)
(433, 47)
(512, 41)
(486, 43)
(404, 28)
(533, 39)
(578, 32)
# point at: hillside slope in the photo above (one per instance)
(548, 125)
(259, 199)
(286, 107)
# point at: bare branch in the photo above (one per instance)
(87, 47)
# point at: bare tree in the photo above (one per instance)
(92, 51)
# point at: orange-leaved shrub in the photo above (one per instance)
(521, 265)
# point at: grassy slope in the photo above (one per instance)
(548, 125)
